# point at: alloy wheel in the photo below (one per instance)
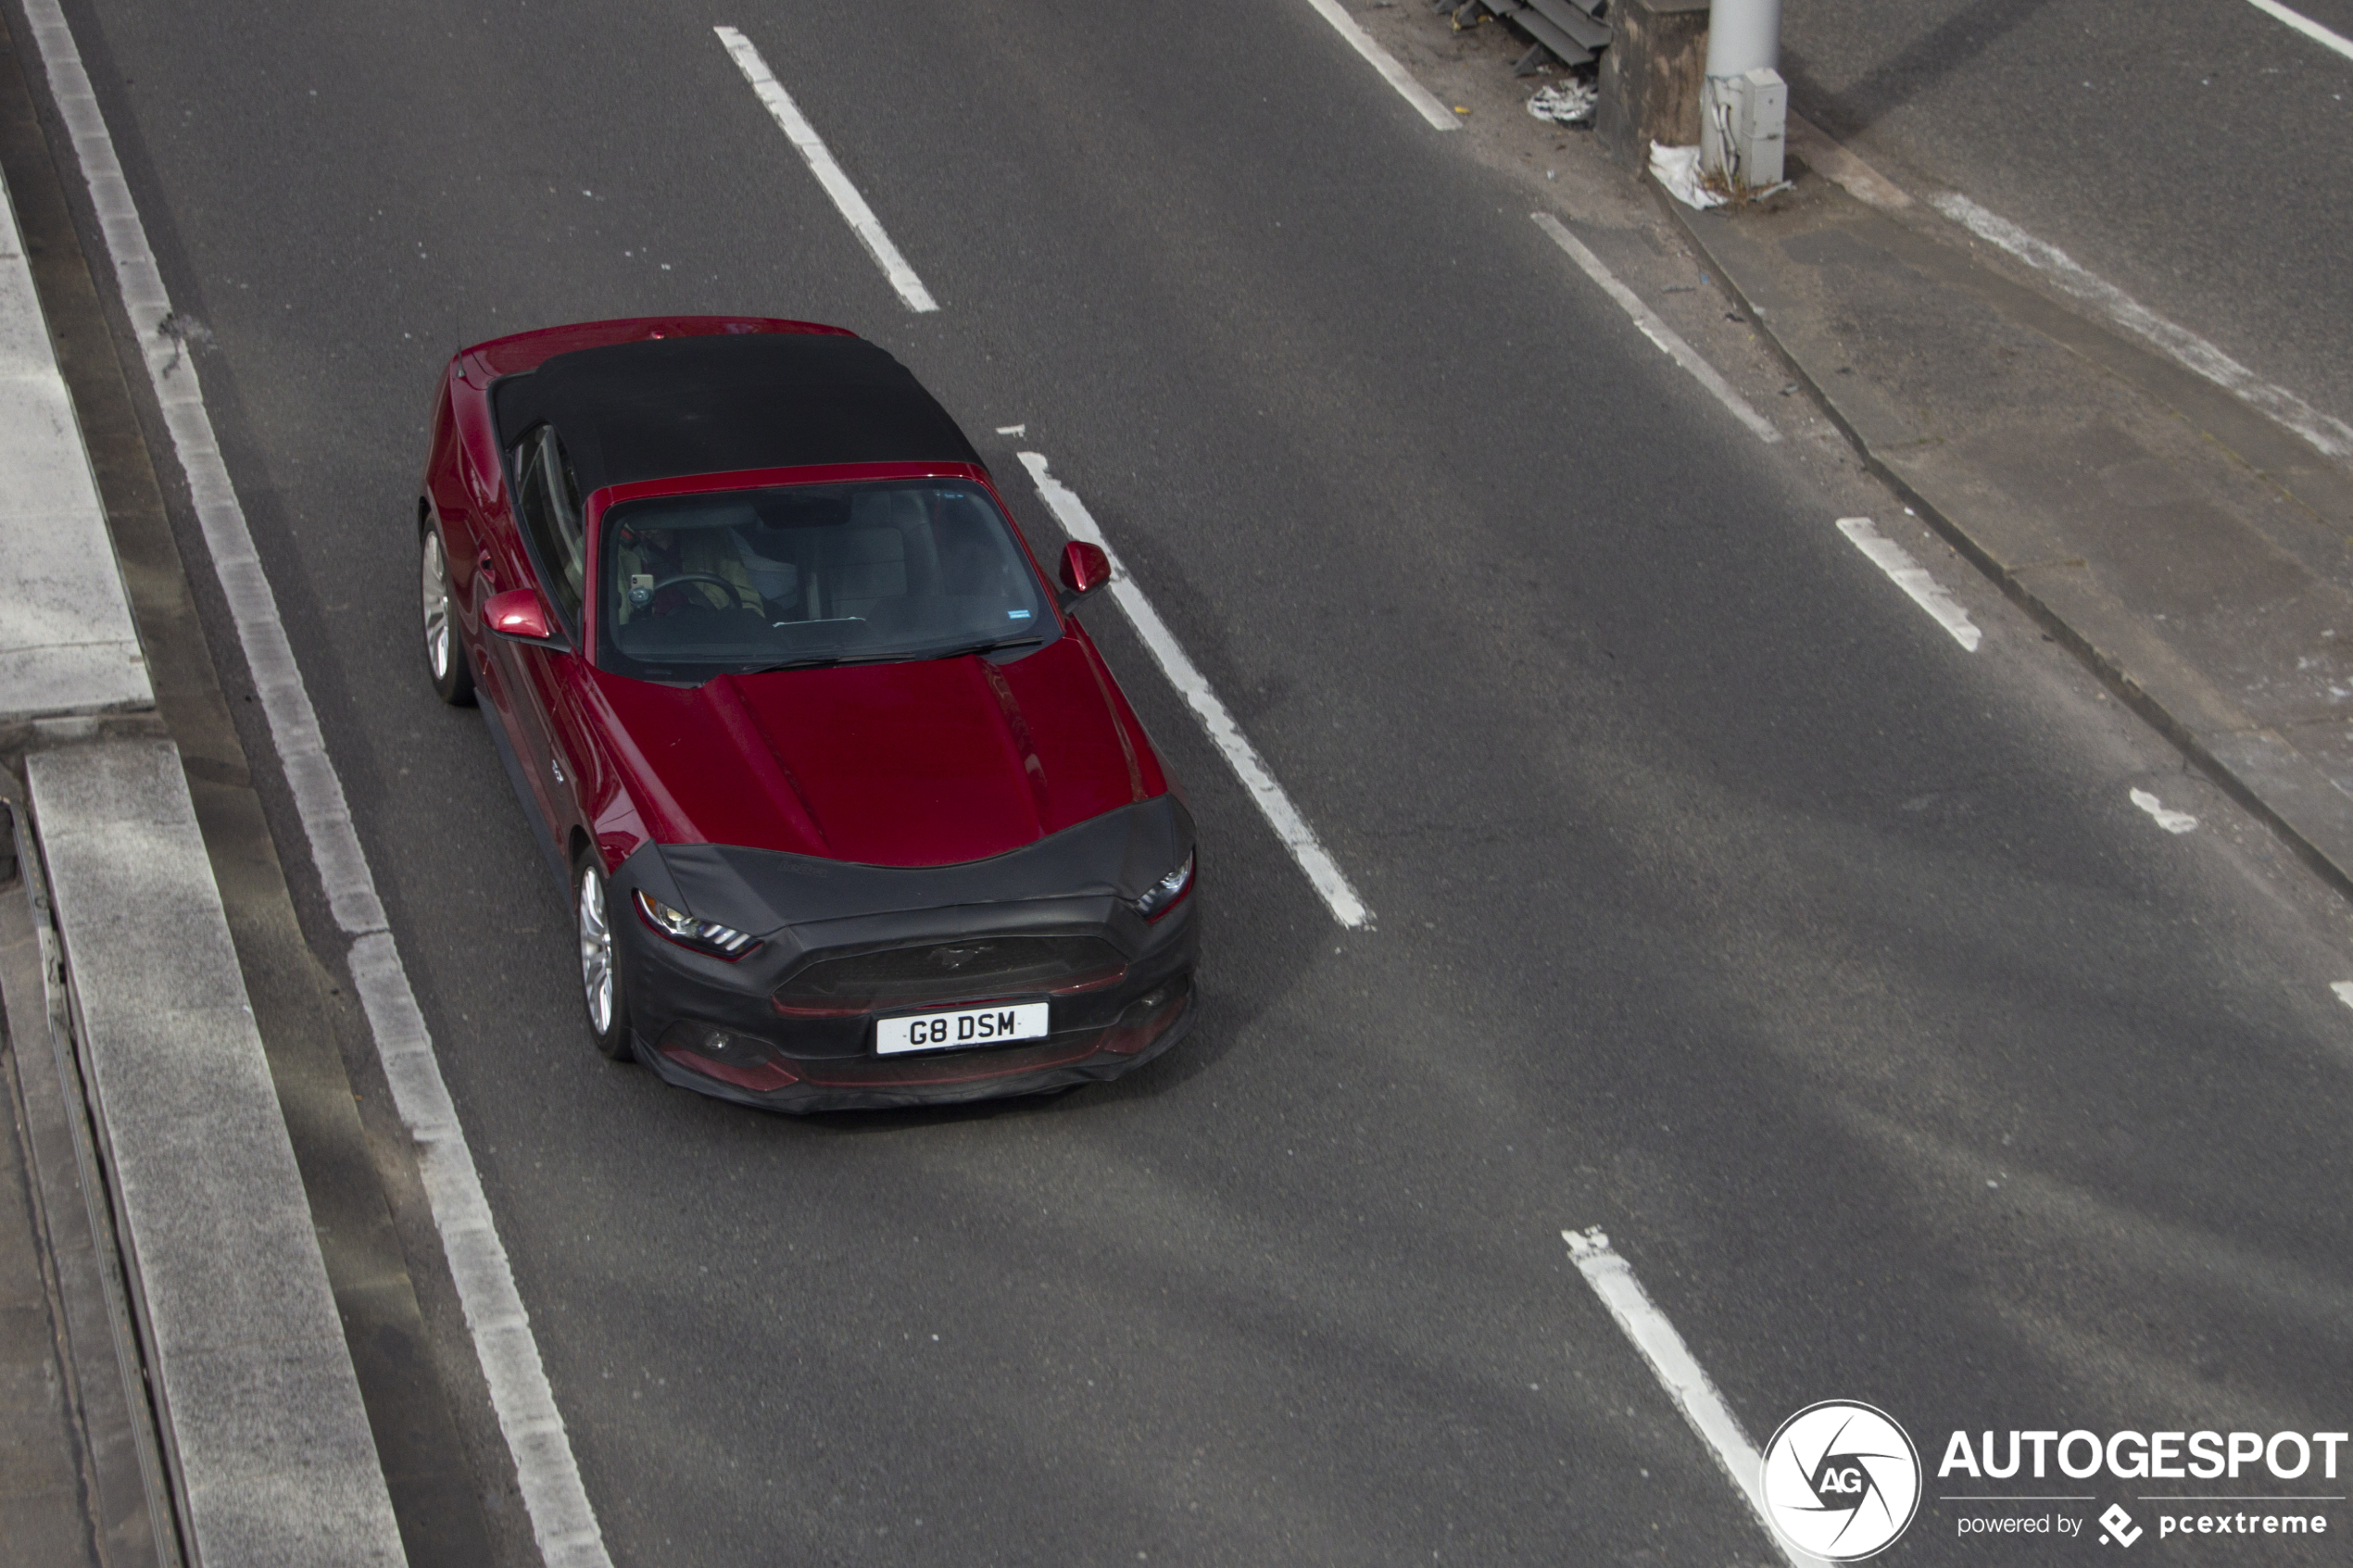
(434, 593)
(596, 952)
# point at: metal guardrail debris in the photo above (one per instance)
(1571, 31)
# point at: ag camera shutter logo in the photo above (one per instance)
(1842, 1480)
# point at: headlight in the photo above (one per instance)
(1165, 893)
(702, 935)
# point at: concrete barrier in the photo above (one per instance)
(263, 1427)
(1649, 79)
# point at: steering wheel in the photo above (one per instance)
(734, 589)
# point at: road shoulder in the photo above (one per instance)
(2191, 553)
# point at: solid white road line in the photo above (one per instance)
(2332, 435)
(2168, 819)
(1412, 92)
(560, 1516)
(1677, 1372)
(2306, 26)
(1289, 825)
(813, 148)
(1910, 576)
(2343, 989)
(1658, 331)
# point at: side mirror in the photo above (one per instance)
(519, 615)
(1085, 568)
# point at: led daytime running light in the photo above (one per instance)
(1166, 891)
(704, 935)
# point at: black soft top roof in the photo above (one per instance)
(668, 408)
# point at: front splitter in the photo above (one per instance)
(803, 1097)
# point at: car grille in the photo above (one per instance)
(970, 969)
(951, 1067)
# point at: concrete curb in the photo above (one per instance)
(67, 642)
(2256, 763)
(269, 1452)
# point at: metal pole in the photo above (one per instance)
(1744, 35)
(1744, 104)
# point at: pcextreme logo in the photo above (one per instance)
(1842, 1480)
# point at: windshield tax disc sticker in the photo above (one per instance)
(1842, 1480)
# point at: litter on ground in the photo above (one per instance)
(1678, 170)
(1570, 102)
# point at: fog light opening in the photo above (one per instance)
(732, 1059)
(1147, 1019)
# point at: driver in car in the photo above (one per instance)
(652, 559)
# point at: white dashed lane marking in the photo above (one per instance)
(2326, 431)
(1425, 102)
(2306, 26)
(1281, 815)
(812, 149)
(1913, 578)
(1671, 343)
(1678, 1372)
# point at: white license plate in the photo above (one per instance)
(965, 1026)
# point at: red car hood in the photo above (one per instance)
(917, 764)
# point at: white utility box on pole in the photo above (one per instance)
(1744, 118)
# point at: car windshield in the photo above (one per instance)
(693, 586)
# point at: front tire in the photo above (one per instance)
(453, 679)
(602, 994)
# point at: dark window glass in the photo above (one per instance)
(692, 586)
(548, 504)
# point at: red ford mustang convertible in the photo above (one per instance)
(850, 811)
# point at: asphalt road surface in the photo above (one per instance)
(2184, 151)
(1722, 899)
